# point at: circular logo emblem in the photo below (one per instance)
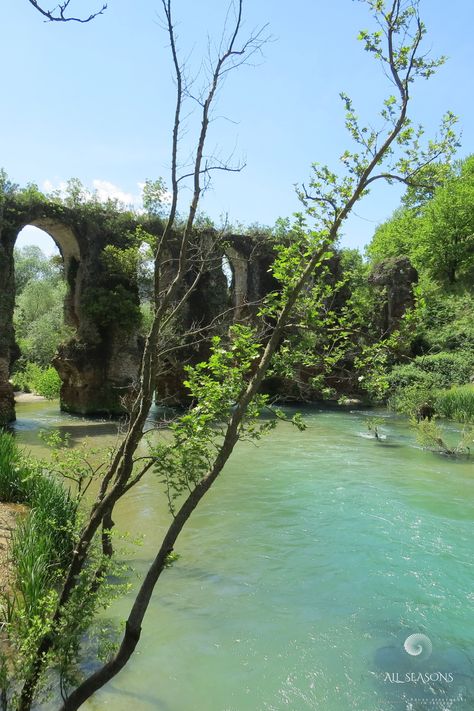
(418, 645)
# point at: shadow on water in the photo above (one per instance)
(75, 432)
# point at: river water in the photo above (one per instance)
(301, 576)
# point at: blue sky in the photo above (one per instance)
(95, 101)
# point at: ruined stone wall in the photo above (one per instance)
(99, 363)
(393, 279)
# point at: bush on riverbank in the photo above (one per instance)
(40, 381)
(438, 381)
(440, 370)
(456, 403)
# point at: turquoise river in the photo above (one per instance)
(313, 559)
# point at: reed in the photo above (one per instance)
(43, 540)
(457, 403)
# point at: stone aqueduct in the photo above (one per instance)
(99, 364)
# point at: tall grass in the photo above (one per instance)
(11, 470)
(457, 403)
(43, 540)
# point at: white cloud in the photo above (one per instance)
(108, 191)
(105, 190)
(60, 187)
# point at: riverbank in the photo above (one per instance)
(21, 396)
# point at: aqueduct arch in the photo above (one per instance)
(100, 363)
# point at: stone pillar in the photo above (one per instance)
(7, 341)
(394, 279)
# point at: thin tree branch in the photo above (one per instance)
(58, 13)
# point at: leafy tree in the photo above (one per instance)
(39, 320)
(396, 237)
(448, 229)
(154, 197)
(31, 264)
(437, 233)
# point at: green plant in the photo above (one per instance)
(430, 436)
(39, 320)
(440, 370)
(12, 471)
(373, 424)
(107, 306)
(41, 381)
(457, 403)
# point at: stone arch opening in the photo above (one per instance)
(68, 246)
(228, 271)
(46, 267)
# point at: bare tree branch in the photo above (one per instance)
(58, 13)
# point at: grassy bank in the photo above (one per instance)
(43, 540)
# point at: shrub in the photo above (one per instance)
(448, 368)
(41, 381)
(448, 321)
(440, 370)
(409, 376)
(411, 399)
(112, 305)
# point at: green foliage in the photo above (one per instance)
(215, 387)
(375, 358)
(146, 311)
(40, 381)
(115, 305)
(32, 265)
(155, 197)
(457, 403)
(421, 382)
(11, 469)
(430, 436)
(446, 320)
(39, 321)
(43, 539)
(438, 234)
(41, 548)
(440, 370)
(409, 400)
(396, 237)
(121, 263)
